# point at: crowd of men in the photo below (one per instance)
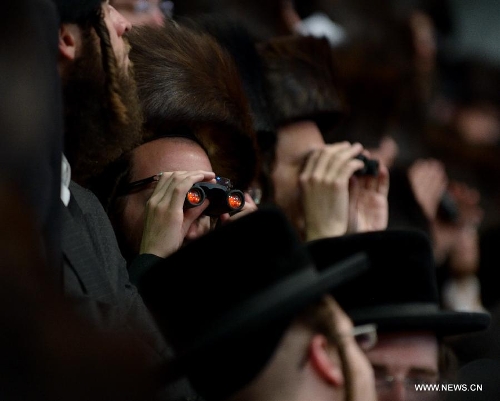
(306, 272)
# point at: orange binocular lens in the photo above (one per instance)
(235, 201)
(195, 197)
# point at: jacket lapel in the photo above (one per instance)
(80, 254)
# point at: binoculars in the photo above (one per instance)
(222, 198)
(371, 166)
(448, 208)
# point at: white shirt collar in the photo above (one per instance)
(65, 180)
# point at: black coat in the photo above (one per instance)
(95, 276)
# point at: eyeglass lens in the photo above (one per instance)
(365, 336)
(416, 388)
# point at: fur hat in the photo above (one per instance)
(239, 42)
(224, 322)
(76, 10)
(300, 80)
(400, 291)
(186, 79)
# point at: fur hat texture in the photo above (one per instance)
(233, 35)
(301, 80)
(186, 79)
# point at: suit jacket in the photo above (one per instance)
(95, 276)
(95, 273)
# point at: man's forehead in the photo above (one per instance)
(405, 351)
(407, 337)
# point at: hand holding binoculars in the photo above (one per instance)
(371, 166)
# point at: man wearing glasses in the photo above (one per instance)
(196, 124)
(400, 295)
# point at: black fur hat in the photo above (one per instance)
(186, 79)
(300, 80)
(76, 10)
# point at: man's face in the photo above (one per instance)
(295, 142)
(401, 360)
(141, 12)
(118, 26)
(100, 126)
(160, 155)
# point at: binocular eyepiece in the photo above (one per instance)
(371, 166)
(222, 198)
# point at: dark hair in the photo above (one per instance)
(110, 67)
(318, 317)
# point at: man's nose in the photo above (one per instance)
(121, 23)
(398, 392)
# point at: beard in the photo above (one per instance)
(100, 125)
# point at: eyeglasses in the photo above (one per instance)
(365, 336)
(416, 388)
(138, 185)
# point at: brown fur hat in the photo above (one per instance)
(186, 80)
(300, 78)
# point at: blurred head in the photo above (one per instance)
(143, 12)
(304, 102)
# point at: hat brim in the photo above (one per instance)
(442, 322)
(271, 308)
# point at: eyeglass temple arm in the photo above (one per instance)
(144, 181)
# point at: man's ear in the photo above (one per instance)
(68, 41)
(323, 361)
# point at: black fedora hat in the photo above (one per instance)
(224, 300)
(400, 291)
(77, 10)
